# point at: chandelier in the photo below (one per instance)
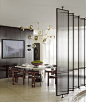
(40, 34)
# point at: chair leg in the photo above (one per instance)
(8, 77)
(28, 79)
(15, 80)
(23, 80)
(40, 80)
(48, 78)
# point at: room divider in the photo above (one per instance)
(70, 51)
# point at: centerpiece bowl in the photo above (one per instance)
(36, 62)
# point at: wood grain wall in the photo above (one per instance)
(14, 33)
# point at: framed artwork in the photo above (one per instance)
(37, 51)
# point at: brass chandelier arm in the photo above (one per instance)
(40, 35)
(38, 26)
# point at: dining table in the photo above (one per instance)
(39, 68)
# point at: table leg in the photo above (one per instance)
(23, 77)
(32, 79)
(25, 72)
(12, 77)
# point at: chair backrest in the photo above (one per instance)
(54, 65)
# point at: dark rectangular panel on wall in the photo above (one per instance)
(76, 69)
(81, 52)
(71, 51)
(37, 51)
(2, 62)
(62, 41)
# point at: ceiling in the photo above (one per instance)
(18, 13)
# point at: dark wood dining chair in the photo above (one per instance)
(50, 75)
(10, 71)
(16, 74)
(34, 75)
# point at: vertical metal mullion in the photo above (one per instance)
(73, 52)
(68, 52)
(78, 51)
(49, 52)
(84, 51)
(56, 45)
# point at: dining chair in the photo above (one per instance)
(34, 75)
(16, 74)
(53, 69)
(50, 75)
(10, 71)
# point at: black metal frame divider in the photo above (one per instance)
(68, 52)
(84, 51)
(78, 52)
(73, 52)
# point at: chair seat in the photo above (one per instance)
(18, 75)
(52, 76)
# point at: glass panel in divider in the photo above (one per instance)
(81, 52)
(81, 77)
(62, 51)
(75, 78)
(75, 51)
(71, 55)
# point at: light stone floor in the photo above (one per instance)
(25, 93)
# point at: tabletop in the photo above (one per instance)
(40, 67)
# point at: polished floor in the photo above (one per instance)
(25, 93)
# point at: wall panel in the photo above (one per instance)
(14, 33)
